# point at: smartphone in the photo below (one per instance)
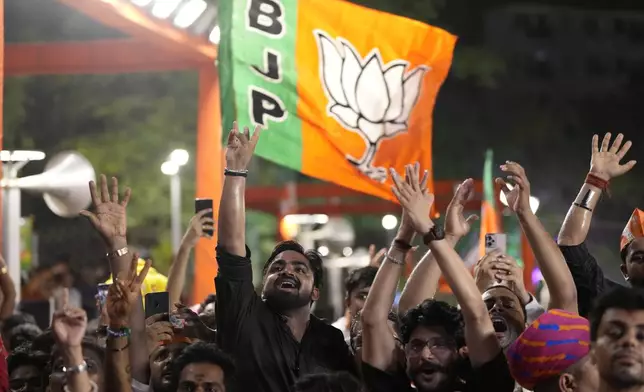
(156, 303)
(101, 295)
(204, 204)
(495, 241)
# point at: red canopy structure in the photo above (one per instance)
(158, 41)
(153, 44)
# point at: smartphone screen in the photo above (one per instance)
(496, 241)
(204, 204)
(101, 295)
(156, 303)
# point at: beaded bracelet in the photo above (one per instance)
(119, 333)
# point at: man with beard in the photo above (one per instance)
(617, 340)
(507, 313)
(274, 339)
(551, 355)
(588, 276)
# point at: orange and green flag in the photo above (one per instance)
(344, 92)
(489, 216)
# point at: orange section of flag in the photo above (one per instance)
(367, 92)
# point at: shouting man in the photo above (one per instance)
(274, 339)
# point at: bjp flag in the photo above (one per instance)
(343, 92)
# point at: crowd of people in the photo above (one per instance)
(589, 337)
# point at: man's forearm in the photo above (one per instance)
(77, 381)
(231, 231)
(577, 223)
(118, 375)
(8, 296)
(177, 273)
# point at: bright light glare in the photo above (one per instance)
(189, 13)
(323, 250)
(215, 35)
(141, 3)
(389, 222)
(534, 202)
(21, 156)
(306, 219)
(347, 251)
(179, 157)
(164, 8)
(169, 168)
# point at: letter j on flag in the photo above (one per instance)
(343, 92)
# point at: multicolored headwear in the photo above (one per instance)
(550, 345)
(634, 229)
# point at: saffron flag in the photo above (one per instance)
(489, 216)
(343, 92)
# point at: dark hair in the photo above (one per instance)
(23, 333)
(620, 297)
(360, 278)
(314, 258)
(432, 313)
(44, 342)
(23, 356)
(202, 352)
(15, 320)
(211, 298)
(328, 382)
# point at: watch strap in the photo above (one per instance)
(118, 252)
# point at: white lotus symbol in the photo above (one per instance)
(366, 97)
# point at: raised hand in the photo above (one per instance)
(412, 194)
(375, 258)
(196, 229)
(518, 197)
(605, 161)
(109, 217)
(240, 147)
(495, 268)
(68, 323)
(456, 225)
(123, 292)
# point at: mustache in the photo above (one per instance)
(287, 278)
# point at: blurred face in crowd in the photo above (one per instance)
(201, 377)
(506, 312)
(27, 378)
(160, 367)
(288, 283)
(92, 357)
(618, 351)
(431, 358)
(633, 269)
(355, 300)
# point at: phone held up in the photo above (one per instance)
(159, 303)
(496, 241)
(204, 204)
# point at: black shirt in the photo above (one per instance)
(588, 276)
(493, 376)
(267, 355)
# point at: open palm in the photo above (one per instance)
(605, 161)
(109, 217)
(455, 222)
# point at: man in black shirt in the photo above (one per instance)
(588, 276)
(273, 338)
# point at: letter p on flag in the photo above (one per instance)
(340, 101)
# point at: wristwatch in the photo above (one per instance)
(436, 233)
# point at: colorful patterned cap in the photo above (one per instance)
(634, 229)
(550, 345)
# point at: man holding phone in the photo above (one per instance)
(273, 338)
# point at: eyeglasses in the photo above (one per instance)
(435, 345)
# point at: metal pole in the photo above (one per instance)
(175, 210)
(11, 224)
